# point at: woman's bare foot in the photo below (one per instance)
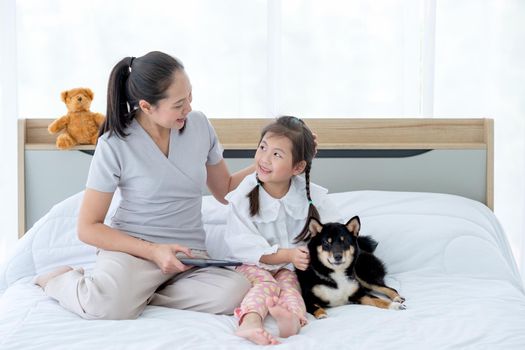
(252, 329)
(287, 321)
(43, 279)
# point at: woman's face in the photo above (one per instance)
(171, 111)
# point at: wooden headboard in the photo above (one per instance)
(336, 136)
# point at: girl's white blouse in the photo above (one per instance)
(279, 221)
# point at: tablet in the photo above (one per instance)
(208, 262)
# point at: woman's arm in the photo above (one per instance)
(93, 231)
(220, 182)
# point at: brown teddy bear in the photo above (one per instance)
(80, 124)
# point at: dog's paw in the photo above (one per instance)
(397, 306)
(320, 314)
(399, 299)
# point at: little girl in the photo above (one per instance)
(266, 212)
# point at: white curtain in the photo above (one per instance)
(385, 58)
(480, 72)
(8, 129)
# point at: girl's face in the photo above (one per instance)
(171, 111)
(273, 160)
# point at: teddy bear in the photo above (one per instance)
(80, 124)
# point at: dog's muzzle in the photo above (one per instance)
(336, 259)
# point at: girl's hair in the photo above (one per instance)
(134, 79)
(303, 148)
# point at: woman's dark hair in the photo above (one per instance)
(134, 79)
(303, 148)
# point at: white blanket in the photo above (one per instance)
(445, 254)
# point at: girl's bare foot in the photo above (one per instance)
(252, 329)
(287, 321)
(43, 279)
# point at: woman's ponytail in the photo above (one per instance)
(117, 112)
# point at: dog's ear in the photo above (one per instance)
(314, 226)
(311, 228)
(354, 225)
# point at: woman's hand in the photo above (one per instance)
(300, 257)
(164, 257)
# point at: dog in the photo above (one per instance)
(343, 269)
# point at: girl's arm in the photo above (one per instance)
(93, 231)
(282, 256)
(298, 256)
(220, 182)
(240, 239)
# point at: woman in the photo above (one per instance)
(160, 155)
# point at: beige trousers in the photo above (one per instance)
(121, 285)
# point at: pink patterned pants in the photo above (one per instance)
(281, 283)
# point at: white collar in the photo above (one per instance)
(294, 201)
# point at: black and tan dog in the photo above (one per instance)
(343, 269)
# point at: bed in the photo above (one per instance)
(446, 254)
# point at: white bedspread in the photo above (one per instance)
(446, 255)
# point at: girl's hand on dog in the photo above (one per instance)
(300, 258)
(164, 257)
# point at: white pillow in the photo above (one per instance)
(52, 242)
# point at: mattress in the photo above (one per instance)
(447, 255)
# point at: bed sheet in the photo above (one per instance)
(446, 254)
